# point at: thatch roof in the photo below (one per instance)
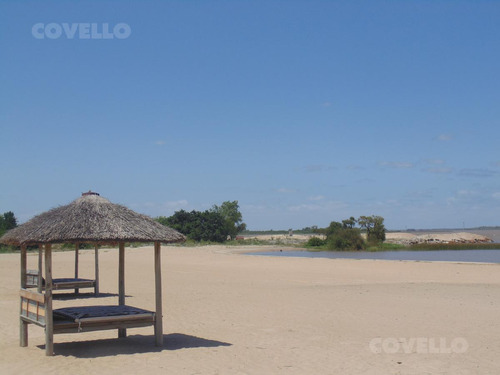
(90, 219)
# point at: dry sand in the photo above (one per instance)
(227, 313)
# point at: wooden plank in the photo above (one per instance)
(35, 296)
(77, 253)
(115, 318)
(96, 285)
(49, 326)
(31, 321)
(73, 284)
(65, 327)
(158, 297)
(40, 263)
(122, 333)
(23, 326)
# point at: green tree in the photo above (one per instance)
(196, 225)
(7, 221)
(343, 236)
(233, 219)
(349, 223)
(374, 227)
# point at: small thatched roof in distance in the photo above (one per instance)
(90, 219)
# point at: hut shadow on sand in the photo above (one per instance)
(135, 344)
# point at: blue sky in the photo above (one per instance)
(303, 111)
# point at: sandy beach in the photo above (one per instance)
(228, 313)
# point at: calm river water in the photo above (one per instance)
(482, 256)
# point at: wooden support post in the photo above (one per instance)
(49, 323)
(96, 253)
(122, 332)
(158, 315)
(40, 271)
(23, 329)
(77, 247)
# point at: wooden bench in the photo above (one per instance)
(32, 280)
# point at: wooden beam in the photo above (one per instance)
(159, 315)
(34, 296)
(96, 287)
(77, 248)
(49, 323)
(122, 332)
(23, 328)
(40, 265)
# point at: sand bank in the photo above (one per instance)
(227, 313)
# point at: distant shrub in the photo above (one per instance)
(346, 239)
(315, 242)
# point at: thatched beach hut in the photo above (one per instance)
(89, 219)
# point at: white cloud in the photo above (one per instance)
(477, 172)
(465, 192)
(324, 206)
(397, 164)
(439, 170)
(496, 195)
(285, 190)
(355, 167)
(317, 168)
(444, 137)
(160, 143)
(173, 205)
(316, 198)
(434, 161)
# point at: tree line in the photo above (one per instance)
(217, 224)
(346, 235)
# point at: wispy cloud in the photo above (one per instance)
(160, 143)
(286, 190)
(317, 168)
(176, 204)
(434, 161)
(439, 170)
(316, 198)
(397, 164)
(462, 196)
(355, 167)
(323, 206)
(477, 172)
(496, 195)
(444, 137)
(160, 209)
(326, 104)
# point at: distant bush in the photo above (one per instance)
(345, 239)
(315, 242)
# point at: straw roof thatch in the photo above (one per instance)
(90, 219)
